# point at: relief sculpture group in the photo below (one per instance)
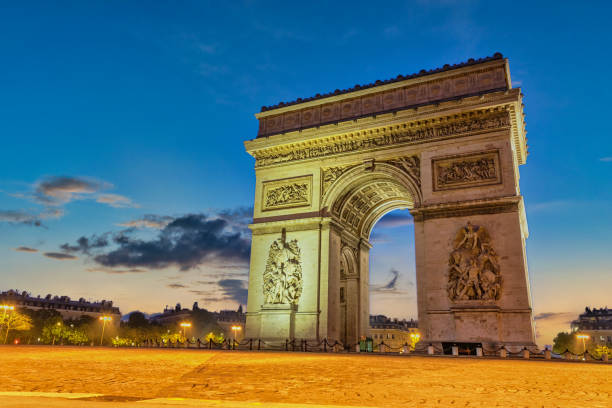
(283, 274)
(473, 266)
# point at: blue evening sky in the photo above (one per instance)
(113, 110)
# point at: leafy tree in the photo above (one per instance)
(14, 320)
(564, 341)
(599, 351)
(202, 321)
(137, 319)
(216, 338)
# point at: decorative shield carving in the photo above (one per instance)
(283, 274)
(474, 272)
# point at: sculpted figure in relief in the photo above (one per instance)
(283, 274)
(287, 194)
(467, 170)
(474, 272)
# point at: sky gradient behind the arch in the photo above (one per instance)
(131, 115)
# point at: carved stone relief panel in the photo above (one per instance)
(464, 171)
(283, 275)
(330, 175)
(411, 165)
(287, 193)
(474, 272)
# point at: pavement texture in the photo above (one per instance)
(102, 377)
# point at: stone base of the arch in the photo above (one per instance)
(321, 312)
(506, 321)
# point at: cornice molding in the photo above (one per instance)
(415, 132)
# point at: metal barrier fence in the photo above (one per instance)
(378, 348)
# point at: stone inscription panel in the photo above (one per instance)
(468, 170)
(287, 193)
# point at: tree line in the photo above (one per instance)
(47, 326)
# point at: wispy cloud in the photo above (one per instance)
(555, 316)
(395, 219)
(549, 205)
(25, 249)
(29, 218)
(59, 255)
(606, 159)
(234, 289)
(186, 242)
(390, 286)
(176, 286)
(117, 271)
(149, 221)
(57, 191)
(116, 200)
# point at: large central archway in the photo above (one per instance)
(358, 199)
(445, 144)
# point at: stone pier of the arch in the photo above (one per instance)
(446, 144)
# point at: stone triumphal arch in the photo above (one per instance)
(445, 144)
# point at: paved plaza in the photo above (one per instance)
(102, 377)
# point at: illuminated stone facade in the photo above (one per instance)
(446, 144)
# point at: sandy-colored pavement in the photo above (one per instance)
(126, 376)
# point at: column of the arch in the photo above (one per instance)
(421, 281)
(352, 308)
(330, 283)
(364, 289)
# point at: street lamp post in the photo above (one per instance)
(53, 341)
(185, 326)
(8, 324)
(583, 337)
(234, 330)
(104, 319)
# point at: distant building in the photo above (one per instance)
(171, 315)
(395, 333)
(597, 323)
(68, 308)
(226, 319)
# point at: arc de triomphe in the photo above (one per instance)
(446, 144)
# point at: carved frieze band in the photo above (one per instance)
(405, 134)
(287, 193)
(464, 171)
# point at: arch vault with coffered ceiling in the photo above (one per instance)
(445, 144)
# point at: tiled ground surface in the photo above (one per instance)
(326, 379)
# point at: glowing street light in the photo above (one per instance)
(583, 337)
(235, 329)
(6, 308)
(104, 319)
(185, 326)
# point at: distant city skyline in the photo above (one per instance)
(123, 173)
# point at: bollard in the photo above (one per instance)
(587, 356)
(357, 348)
(405, 350)
(547, 354)
(430, 350)
(503, 353)
(526, 354)
(381, 348)
(455, 350)
(478, 351)
(604, 357)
